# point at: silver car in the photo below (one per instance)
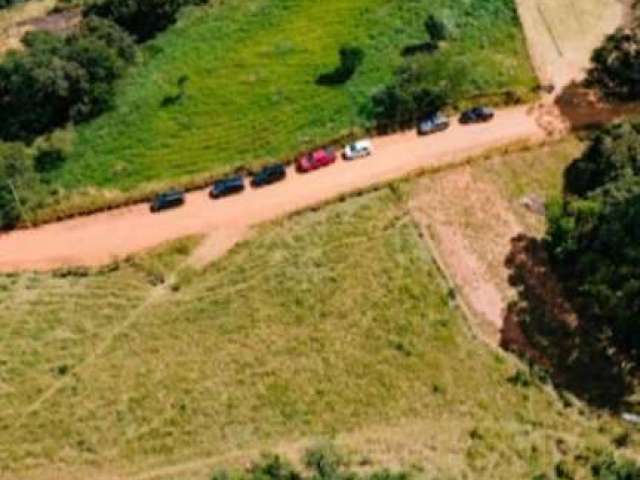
(359, 149)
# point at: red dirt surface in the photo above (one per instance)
(102, 238)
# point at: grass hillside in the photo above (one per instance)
(334, 322)
(250, 92)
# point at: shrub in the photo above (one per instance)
(20, 188)
(610, 468)
(143, 19)
(324, 462)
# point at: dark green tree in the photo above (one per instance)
(409, 98)
(436, 29)
(613, 154)
(56, 80)
(615, 66)
(593, 236)
(143, 19)
(8, 3)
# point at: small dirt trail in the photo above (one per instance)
(102, 238)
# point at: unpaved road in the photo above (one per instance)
(99, 239)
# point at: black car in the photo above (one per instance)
(169, 199)
(477, 115)
(227, 186)
(268, 175)
(434, 123)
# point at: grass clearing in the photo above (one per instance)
(333, 322)
(250, 93)
(538, 172)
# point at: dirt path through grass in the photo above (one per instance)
(471, 225)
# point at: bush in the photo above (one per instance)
(57, 80)
(20, 188)
(615, 66)
(325, 463)
(143, 19)
(610, 468)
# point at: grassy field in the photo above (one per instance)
(251, 94)
(334, 322)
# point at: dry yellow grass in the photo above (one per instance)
(14, 21)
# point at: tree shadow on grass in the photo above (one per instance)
(542, 326)
(350, 59)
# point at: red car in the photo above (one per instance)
(314, 160)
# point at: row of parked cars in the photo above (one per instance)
(308, 162)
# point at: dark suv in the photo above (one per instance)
(477, 115)
(268, 175)
(227, 186)
(169, 199)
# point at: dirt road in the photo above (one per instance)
(101, 238)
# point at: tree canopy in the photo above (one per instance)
(593, 235)
(143, 19)
(60, 79)
(615, 66)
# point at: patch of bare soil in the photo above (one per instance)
(34, 15)
(471, 225)
(216, 245)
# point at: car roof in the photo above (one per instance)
(233, 179)
(272, 167)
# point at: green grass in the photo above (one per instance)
(251, 94)
(334, 322)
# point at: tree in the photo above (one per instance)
(436, 29)
(612, 155)
(615, 66)
(593, 236)
(8, 3)
(20, 188)
(410, 97)
(56, 80)
(143, 19)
